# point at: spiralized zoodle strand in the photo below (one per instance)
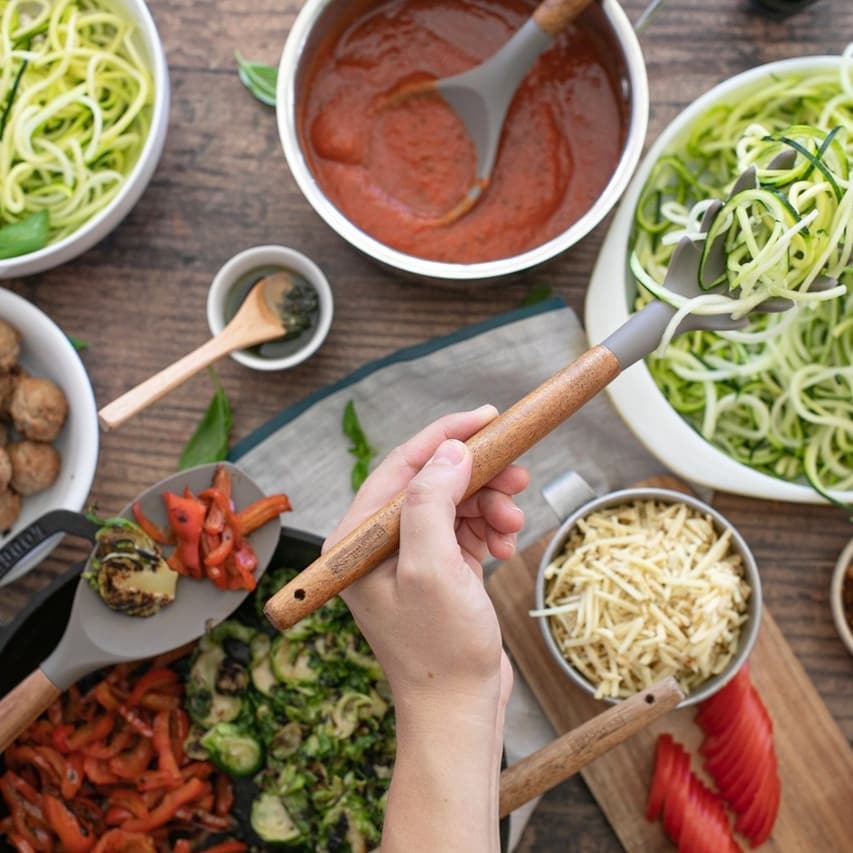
(777, 394)
(81, 113)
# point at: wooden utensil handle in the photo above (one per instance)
(503, 440)
(23, 704)
(569, 753)
(553, 15)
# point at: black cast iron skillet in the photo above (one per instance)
(37, 629)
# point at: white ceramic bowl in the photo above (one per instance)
(46, 351)
(317, 19)
(266, 256)
(98, 226)
(644, 408)
(749, 631)
(845, 631)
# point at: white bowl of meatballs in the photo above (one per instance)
(48, 424)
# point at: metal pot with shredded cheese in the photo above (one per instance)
(646, 587)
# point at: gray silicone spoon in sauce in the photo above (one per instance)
(97, 636)
(481, 96)
(525, 423)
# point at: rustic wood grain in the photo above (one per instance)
(815, 759)
(223, 185)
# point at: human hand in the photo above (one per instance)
(425, 612)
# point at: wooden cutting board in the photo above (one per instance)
(815, 760)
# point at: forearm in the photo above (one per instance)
(444, 789)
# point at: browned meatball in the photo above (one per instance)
(35, 465)
(9, 380)
(38, 408)
(10, 509)
(10, 345)
(5, 469)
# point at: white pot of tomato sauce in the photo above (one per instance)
(381, 177)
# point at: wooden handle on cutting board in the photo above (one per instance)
(552, 16)
(22, 705)
(572, 751)
(493, 448)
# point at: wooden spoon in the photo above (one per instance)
(572, 751)
(260, 318)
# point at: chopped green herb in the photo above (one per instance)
(209, 442)
(537, 293)
(259, 79)
(360, 447)
(27, 235)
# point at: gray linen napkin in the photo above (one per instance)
(303, 451)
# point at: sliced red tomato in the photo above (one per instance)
(664, 754)
(677, 795)
(717, 712)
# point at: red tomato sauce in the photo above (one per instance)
(391, 170)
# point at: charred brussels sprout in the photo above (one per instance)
(272, 822)
(128, 571)
(233, 750)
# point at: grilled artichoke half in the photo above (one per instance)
(128, 571)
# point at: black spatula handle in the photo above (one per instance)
(56, 521)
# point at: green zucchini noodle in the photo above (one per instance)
(78, 118)
(777, 394)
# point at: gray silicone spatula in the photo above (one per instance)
(97, 636)
(481, 96)
(524, 424)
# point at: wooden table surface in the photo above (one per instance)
(223, 185)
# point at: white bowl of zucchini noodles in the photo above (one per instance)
(766, 410)
(84, 106)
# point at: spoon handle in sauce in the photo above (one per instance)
(493, 448)
(553, 15)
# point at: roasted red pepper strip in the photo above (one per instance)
(224, 795)
(152, 679)
(226, 847)
(161, 537)
(186, 518)
(122, 841)
(219, 554)
(260, 512)
(60, 737)
(132, 763)
(246, 561)
(96, 730)
(74, 837)
(162, 740)
(119, 742)
(164, 812)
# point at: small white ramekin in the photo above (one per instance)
(266, 256)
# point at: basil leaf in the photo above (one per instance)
(209, 442)
(27, 235)
(77, 343)
(538, 293)
(259, 79)
(360, 447)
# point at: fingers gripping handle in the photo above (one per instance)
(20, 707)
(493, 448)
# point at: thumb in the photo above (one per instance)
(428, 515)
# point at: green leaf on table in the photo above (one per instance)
(77, 343)
(538, 293)
(260, 79)
(360, 446)
(27, 235)
(209, 442)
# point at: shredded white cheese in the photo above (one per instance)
(645, 590)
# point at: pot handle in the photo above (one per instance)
(566, 493)
(564, 756)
